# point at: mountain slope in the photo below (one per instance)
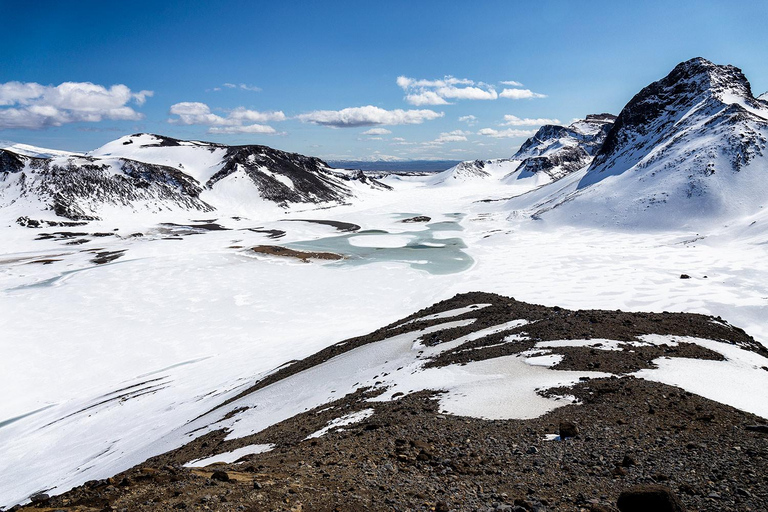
(153, 173)
(560, 150)
(689, 149)
(478, 391)
(553, 152)
(80, 188)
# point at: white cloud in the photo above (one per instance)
(436, 92)
(510, 120)
(470, 120)
(367, 116)
(196, 113)
(425, 98)
(467, 93)
(244, 87)
(249, 128)
(398, 139)
(503, 134)
(454, 136)
(33, 106)
(377, 131)
(242, 114)
(520, 94)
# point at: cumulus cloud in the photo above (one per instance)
(505, 134)
(425, 98)
(510, 120)
(377, 131)
(454, 136)
(367, 116)
(29, 105)
(470, 120)
(520, 94)
(196, 113)
(437, 92)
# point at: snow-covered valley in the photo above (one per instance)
(118, 334)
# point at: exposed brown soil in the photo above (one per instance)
(346, 227)
(305, 256)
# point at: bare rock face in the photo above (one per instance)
(560, 150)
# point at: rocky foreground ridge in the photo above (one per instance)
(615, 438)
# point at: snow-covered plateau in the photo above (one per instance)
(133, 303)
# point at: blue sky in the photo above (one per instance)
(298, 73)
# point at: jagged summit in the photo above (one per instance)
(688, 149)
(559, 150)
(694, 89)
(553, 152)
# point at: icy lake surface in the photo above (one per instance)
(435, 248)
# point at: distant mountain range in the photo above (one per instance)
(396, 166)
(688, 148)
(145, 172)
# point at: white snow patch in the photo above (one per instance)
(739, 381)
(548, 360)
(347, 419)
(230, 457)
(384, 241)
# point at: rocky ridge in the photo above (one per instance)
(145, 172)
(622, 440)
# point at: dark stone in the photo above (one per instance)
(39, 498)
(568, 429)
(684, 276)
(418, 218)
(763, 429)
(628, 461)
(221, 476)
(647, 498)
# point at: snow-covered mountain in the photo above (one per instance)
(145, 172)
(553, 152)
(559, 150)
(687, 149)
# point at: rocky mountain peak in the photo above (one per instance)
(694, 89)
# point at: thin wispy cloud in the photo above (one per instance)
(469, 119)
(377, 131)
(510, 120)
(512, 83)
(369, 115)
(509, 133)
(236, 121)
(242, 87)
(30, 105)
